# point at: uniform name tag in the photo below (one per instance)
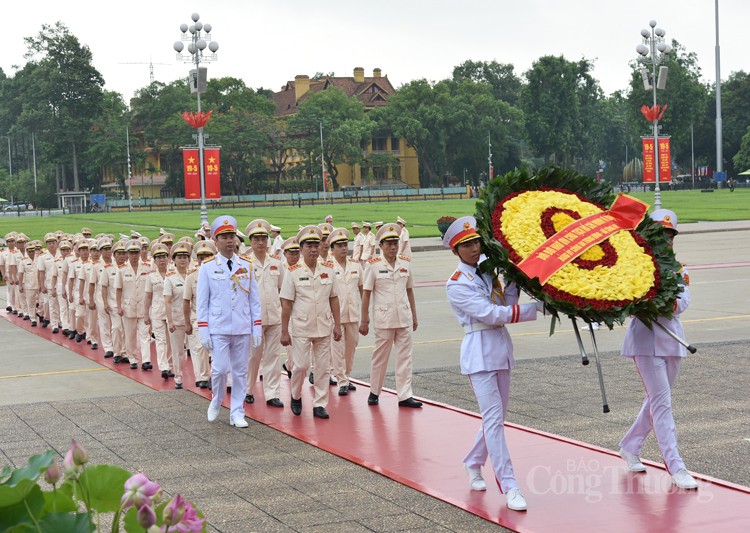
(304, 279)
(382, 272)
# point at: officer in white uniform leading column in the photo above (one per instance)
(484, 308)
(229, 318)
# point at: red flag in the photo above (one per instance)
(649, 175)
(212, 164)
(665, 159)
(192, 174)
(197, 120)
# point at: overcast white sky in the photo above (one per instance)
(267, 42)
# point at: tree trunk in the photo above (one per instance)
(75, 168)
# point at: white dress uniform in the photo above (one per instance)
(111, 318)
(228, 312)
(158, 316)
(657, 357)
(46, 265)
(61, 263)
(368, 246)
(131, 284)
(404, 246)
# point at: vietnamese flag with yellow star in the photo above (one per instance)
(212, 164)
(192, 174)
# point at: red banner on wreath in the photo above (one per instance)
(212, 172)
(574, 239)
(192, 174)
(212, 163)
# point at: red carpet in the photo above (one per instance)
(569, 485)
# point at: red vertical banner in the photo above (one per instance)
(192, 174)
(649, 175)
(665, 160)
(212, 163)
(492, 171)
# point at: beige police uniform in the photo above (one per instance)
(173, 291)
(29, 284)
(46, 266)
(61, 264)
(404, 246)
(157, 315)
(264, 360)
(92, 323)
(350, 278)
(392, 318)
(368, 244)
(131, 290)
(109, 318)
(198, 354)
(311, 320)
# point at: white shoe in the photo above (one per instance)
(515, 500)
(238, 422)
(213, 412)
(684, 480)
(475, 478)
(634, 462)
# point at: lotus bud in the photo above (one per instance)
(146, 516)
(53, 474)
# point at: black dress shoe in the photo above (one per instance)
(15, 311)
(55, 330)
(320, 412)
(94, 346)
(311, 378)
(288, 372)
(203, 384)
(27, 317)
(164, 374)
(409, 402)
(372, 399)
(297, 407)
(117, 359)
(170, 373)
(9, 309)
(44, 323)
(33, 323)
(107, 355)
(249, 398)
(133, 366)
(124, 360)
(72, 334)
(275, 402)
(178, 386)
(79, 337)
(146, 366)
(343, 391)
(66, 332)
(352, 386)
(332, 381)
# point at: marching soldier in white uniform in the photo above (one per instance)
(61, 280)
(278, 240)
(110, 316)
(404, 246)
(131, 306)
(657, 357)
(368, 244)
(309, 311)
(268, 272)
(156, 312)
(389, 286)
(229, 318)
(483, 308)
(174, 289)
(349, 277)
(47, 281)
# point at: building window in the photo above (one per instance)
(380, 173)
(378, 144)
(396, 171)
(395, 144)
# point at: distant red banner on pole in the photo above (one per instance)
(665, 159)
(573, 240)
(212, 162)
(649, 174)
(192, 174)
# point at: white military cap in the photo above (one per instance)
(258, 226)
(388, 232)
(338, 235)
(355, 225)
(461, 230)
(223, 224)
(666, 218)
(204, 248)
(159, 249)
(290, 245)
(275, 228)
(133, 245)
(326, 228)
(309, 233)
(401, 221)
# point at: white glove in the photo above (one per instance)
(540, 307)
(257, 341)
(205, 337)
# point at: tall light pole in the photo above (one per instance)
(653, 51)
(719, 141)
(198, 36)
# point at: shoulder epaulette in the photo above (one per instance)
(146, 263)
(329, 264)
(456, 275)
(191, 271)
(122, 265)
(246, 258)
(206, 260)
(294, 267)
(171, 273)
(373, 260)
(404, 258)
(275, 257)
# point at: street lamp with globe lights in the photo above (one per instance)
(198, 36)
(653, 52)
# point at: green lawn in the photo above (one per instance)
(690, 206)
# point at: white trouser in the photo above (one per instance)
(265, 360)
(62, 304)
(385, 339)
(342, 352)
(53, 305)
(230, 353)
(105, 327)
(177, 342)
(118, 332)
(163, 355)
(137, 339)
(320, 348)
(659, 375)
(198, 356)
(492, 390)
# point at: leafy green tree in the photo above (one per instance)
(506, 86)
(741, 159)
(345, 126)
(106, 150)
(735, 117)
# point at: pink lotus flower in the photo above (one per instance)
(180, 516)
(74, 460)
(80, 455)
(139, 491)
(146, 516)
(53, 474)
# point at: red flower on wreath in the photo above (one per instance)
(197, 120)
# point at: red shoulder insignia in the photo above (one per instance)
(171, 273)
(294, 267)
(373, 260)
(456, 275)
(329, 264)
(275, 257)
(686, 277)
(404, 258)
